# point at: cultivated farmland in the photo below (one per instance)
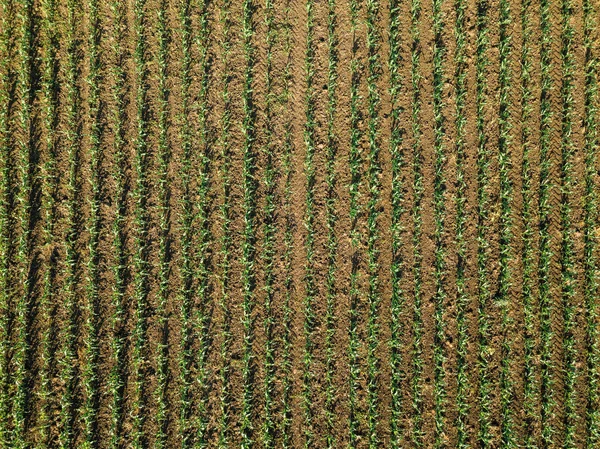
(299, 224)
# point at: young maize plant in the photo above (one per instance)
(91, 375)
(118, 116)
(590, 287)
(483, 160)
(7, 23)
(355, 234)
(417, 222)
(544, 212)
(397, 326)
(48, 300)
(288, 239)
(164, 213)
(503, 298)
(374, 184)
(186, 221)
(530, 386)
(463, 297)
(567, 254)
(309, 218)
(142, 225)
(205, 238)
(439, 354)
(331, 218)
(269, 208)
(25, 163)
(226, 242)
(249, 239)
(69, 372)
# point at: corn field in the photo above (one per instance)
(299, 224)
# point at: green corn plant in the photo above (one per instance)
(504, 283)
(91, 374)
(186, 221)
(48, 303)
(530, 386)
(590, 206)
(439, 353)
(249, 238)
(463, 297)
(567, 254)
(142, 225)
(374, 185)
(25, 174)
(331, 218)
(226, 241)
(417, 222)
(69, 372)
(309, 218)
(288, 239)
(269, 208)
(205, 238)
(164, 213)
(397, 267)
(544, 212)
(118, 116)
(7, 23)
(355, 163)
(483, 157)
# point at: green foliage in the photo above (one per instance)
(590, 282)
(91, 376)
(463, 298)
(483, 161)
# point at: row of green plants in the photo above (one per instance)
(25, 173)
(439, 212)
(164, 224)
(117, 122)
(373, 44)
(48, 302)
(69, 374)
(397, 325)
(567, 253)
(590, 205)
(226, 241)
(249, 233)
(417, 224)
(204, 238)
(544, 216)
(530, 384)
(331, 219)
(91, 375)
(463, 379)
(186, 219)
(270, 229)
(484, 387)
(6, 79)
(140, 363)
(309, 219)
(288, 236)
(503, 297)
(355, 169)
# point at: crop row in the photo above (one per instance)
(505, 232)
(331, 214)
(309, 219)
(226, 241)
(590, 287)
(397, 197)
